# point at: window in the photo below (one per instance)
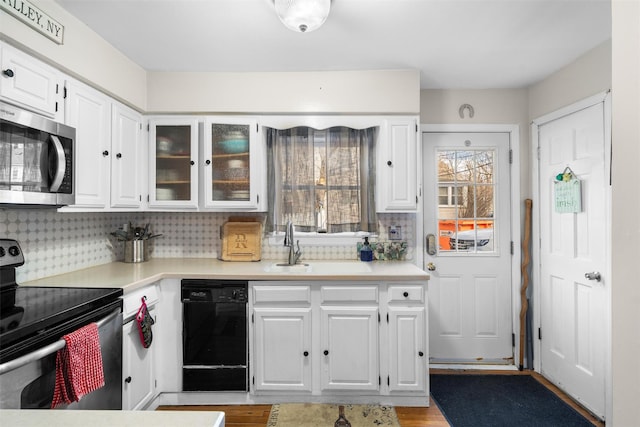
(321, 180)
(449, 194)
(466, 189)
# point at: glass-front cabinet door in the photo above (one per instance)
(232, 164)
(173, 168)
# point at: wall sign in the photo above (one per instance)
(35, 18)
(567, 192)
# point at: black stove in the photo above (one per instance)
(34, 316)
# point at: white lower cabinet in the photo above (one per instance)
(349, 341)
(331, 338)
(283, 346)
(137, 368)
(138, 362)
(407, 349)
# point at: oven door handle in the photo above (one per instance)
(48, 349)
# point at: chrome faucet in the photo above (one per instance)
(294, 255)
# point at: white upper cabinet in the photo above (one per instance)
(89, 112)
(109, 166)
(173, 163)
(127, 161)
(30, 83)
(397, 176)
(233, 165)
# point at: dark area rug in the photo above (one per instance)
(501, 400)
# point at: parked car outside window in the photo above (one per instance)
(479, 239)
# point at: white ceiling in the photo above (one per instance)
(456, 44)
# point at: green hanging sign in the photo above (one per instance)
(567, 192)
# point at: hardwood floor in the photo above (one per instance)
(258, 415)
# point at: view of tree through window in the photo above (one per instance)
(466, 198)
(322, 180)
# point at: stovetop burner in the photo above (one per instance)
(28, 313)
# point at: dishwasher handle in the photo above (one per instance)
(48, 349)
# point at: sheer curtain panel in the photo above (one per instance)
(321, 180)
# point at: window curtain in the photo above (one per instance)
(308, 168)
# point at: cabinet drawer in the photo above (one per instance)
(349, 293)
(406, 293)
(132, 301)
(270, 294)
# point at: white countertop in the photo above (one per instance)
(135, 275)
(51, 418)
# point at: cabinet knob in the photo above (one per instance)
(105, 153)
(127, 380)
(306, 353)
(119, 155)
(208, 162)
(326, 352)
(389, 163)
(420, 354)
(8, 72)
(192, 163)
(405, 294)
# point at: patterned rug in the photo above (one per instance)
(318, 415)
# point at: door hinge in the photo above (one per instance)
(64, 93)
(257, 198)
(256, 127)
(416, 127)
(155, 383)
(512, 247)
(539, 333)
(140, 197)
(538, 152)
(56, 106)
(379, 380)
(510, 156)
(387, 317)
(388, 381)
(57, 88)
(253, 380)
(148, 128)
(416, 199)
(252, 319)
(513, 340)
(378, 317)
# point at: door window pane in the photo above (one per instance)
(466, 200)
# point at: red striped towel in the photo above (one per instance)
(79, 368)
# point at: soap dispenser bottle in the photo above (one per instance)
(366, 254)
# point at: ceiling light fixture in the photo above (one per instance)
(302, 15)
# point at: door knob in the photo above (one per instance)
(594, 275)
(431, 267)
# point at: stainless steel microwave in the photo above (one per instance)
(36, 159)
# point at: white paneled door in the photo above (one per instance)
(467, 212)
(573, 253)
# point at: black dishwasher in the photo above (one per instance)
(214, 335)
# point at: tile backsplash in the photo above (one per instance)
(59, 242)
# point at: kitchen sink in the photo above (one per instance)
(327, 267)
(288, 268)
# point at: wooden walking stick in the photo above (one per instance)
(524, 304)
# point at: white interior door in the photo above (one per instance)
(573, 308)
(467, 211)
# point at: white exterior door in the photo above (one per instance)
(573, 307)
(467, 210)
